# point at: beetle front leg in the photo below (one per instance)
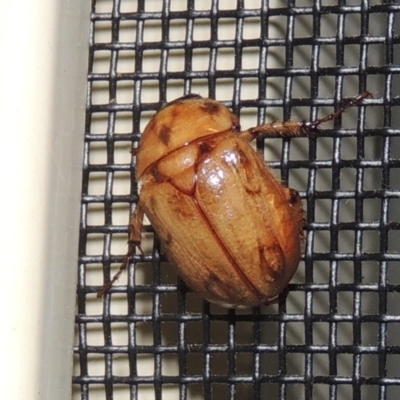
(290, 129)
(135, 235)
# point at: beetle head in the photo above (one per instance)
(178, 124)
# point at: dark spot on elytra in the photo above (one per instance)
(214, 284)
(165, 135)
(158, 177)
(176, 112)
(152, 203)
(210, 107)
(204, 148)
(168, 240)
(212, 278)
(242, 155)
(269, 265)
(294, 196)
(155, 173)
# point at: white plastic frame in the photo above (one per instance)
(43, 86)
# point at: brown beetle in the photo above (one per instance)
(229, 226)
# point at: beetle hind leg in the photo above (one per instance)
(135, 235)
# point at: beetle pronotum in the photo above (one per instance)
(201, 181)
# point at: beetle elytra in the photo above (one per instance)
(232, 230)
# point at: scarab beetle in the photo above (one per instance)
(231, 228)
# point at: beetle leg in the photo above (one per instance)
(135, 235)
(289, 129)
(136, 227)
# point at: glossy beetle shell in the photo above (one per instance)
(227, 224)
(178, 124)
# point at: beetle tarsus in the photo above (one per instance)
(127, 260)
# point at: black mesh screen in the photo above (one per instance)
(337, 335)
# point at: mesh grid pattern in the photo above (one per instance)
(337, 334)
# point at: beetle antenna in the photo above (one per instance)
(290, 129)
(313, 125)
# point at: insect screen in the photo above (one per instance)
(336, 336)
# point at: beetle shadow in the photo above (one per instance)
(190, 327)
